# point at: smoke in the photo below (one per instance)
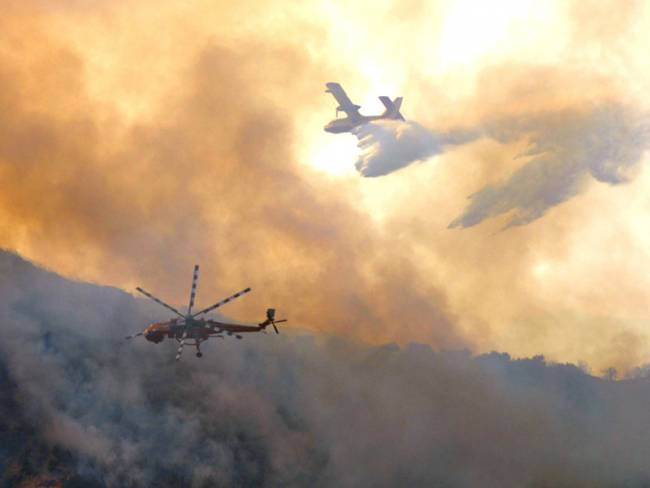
(208, 175)
(127, 158)
(289, 410)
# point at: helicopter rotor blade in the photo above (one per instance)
(195, 279)
(159, 301)
(179, 352)
(222, 302)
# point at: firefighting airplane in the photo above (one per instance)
(354, 118)
(188, 327)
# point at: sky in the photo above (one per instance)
(137, 140)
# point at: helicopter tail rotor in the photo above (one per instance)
(270, 320)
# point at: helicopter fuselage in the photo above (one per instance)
(157, 331)
(187, 329)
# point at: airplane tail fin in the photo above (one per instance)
(392, 108)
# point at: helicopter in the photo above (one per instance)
(192, 330)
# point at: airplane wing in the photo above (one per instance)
(345, 104)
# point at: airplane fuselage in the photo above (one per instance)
(353, 118)
(346, 124)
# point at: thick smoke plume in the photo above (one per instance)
(208, 176)
(126, 157)
(290, 410)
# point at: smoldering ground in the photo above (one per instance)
(290, 410)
